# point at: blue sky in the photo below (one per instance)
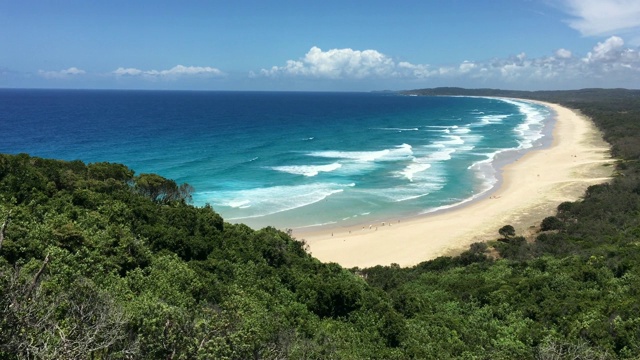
(342, 45)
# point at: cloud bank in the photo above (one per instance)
(62, 74)
(609, 63)
(609, 60)
(173, 73)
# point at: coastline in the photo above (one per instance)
(530, 189)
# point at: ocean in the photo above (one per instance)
(296, 160)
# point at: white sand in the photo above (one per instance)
(531, 189)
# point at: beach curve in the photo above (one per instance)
(531, 188)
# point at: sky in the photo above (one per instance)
(328, 45)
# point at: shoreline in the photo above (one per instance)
(499, 161)
(529, 189)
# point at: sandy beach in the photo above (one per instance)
(530, 189)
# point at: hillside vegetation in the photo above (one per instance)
(97, 262)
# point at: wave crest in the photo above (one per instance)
(308, 170)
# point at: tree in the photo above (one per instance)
(104, 170)
(507, 231)
(162, 190)
(551, 223)
(3, 228)
(47, 322)
(552, 349)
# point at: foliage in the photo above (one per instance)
(99, 263)
(551, 223)
(162, 190)
(507, 231)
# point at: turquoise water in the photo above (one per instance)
(294, 160)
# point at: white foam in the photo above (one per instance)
(397, 129)
(455, 129)
(485, 173)
(411, 191)
(413, 169)
(412, 197)
(453, 140)
(241, 204)
(462, 130)
(491, 119)
(440, 150)
(422, 164)
(350, 155)
(318, 225)
(259, 202)
(438, 127)
(400, 152)
(308, 170)
(350, 167)
(531, 129)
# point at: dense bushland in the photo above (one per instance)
(97, 262)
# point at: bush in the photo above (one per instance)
(551, 223)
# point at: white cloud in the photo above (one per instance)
(607, 51)
(417, 71)
(337, 64)
(128, 71)
(563, 54)
(173, 73)
(609, 62)
(604, 17)
(610, 59)
(467, 66)
(180, 70)
(62, 74)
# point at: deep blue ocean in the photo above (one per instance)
(287, 159)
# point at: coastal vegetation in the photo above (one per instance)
(98, 262)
